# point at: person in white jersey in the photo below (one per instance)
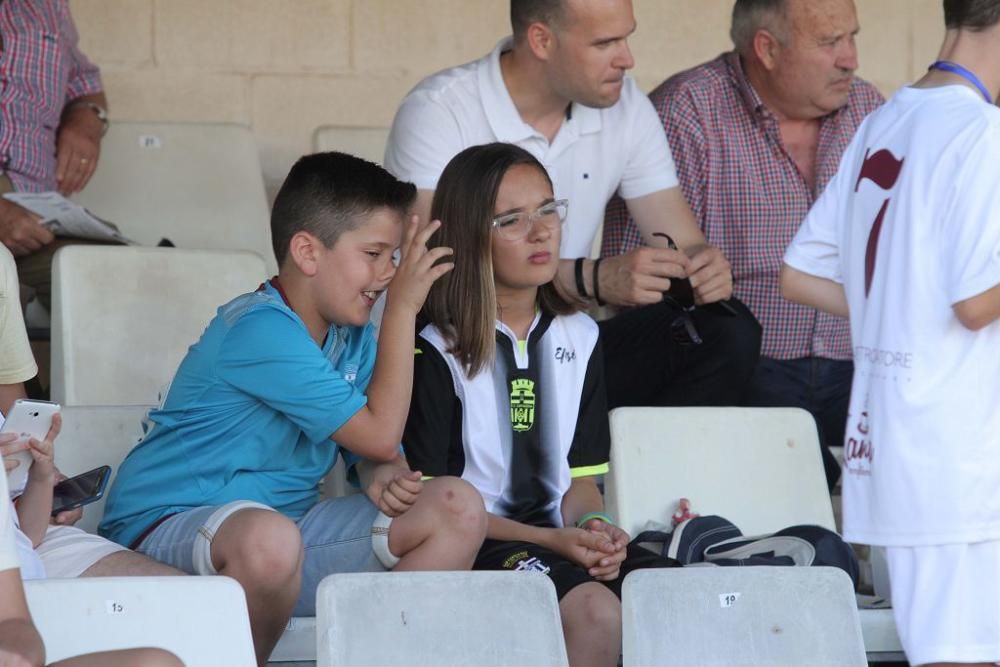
(906, 242)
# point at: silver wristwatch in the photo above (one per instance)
(99, 111)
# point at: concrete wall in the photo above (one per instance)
(286, 67)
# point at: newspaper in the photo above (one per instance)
(66, 218)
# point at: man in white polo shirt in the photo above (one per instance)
(906, 241)
(558, 89)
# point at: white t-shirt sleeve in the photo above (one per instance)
(17, 363)
(971, 239)
(8, 552)
(425, 135)
(649, 166)
(815, 249)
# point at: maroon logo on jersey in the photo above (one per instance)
(882, 169)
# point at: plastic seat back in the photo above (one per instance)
(758, 467)
(748, 616)
(439, 619)
(202, 620)
(124, 317)
(198, 184)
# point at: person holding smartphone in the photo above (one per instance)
(20, 644)
(47, 546)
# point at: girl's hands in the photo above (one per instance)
(590, 549)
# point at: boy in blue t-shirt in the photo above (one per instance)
(226, 481)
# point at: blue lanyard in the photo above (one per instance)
(955, 68)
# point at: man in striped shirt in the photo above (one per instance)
(756, 134)
(52, 118)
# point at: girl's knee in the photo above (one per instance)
(593, 609)
(460, 505)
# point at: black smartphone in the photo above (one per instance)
(80, 490)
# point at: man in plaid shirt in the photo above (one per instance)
(756, 134)
(52, 118)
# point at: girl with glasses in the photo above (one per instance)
(509, 394)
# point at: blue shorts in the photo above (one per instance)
(336, 534)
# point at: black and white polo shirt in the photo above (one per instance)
(520, 431)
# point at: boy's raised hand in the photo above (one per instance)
(418, 267)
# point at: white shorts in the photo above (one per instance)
(67, 551)
(946, 601)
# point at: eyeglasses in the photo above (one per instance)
(516, 226)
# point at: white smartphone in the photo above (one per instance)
(28, 419)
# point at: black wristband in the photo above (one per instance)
(597, 288)
(580, 287)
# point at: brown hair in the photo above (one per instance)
(971, 14)
(463, 303)
(327, 194)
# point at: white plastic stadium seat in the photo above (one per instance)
(198, 184)
(752, 616)
(760, 468)
(439, 619)
(202, 620)
(123, 317)
(93, 436)
(364, 142)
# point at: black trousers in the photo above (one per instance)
(645, 365)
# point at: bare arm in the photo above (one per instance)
(78, 143)
(376, 430)
(979, 311)
(640, 276)
(582, 498)
(667, 212)
(810, 290)
(34, 508)
(18, 635)
(10, 393)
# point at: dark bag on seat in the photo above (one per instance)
(715, 540)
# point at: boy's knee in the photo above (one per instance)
(460, 505)
(264, 547)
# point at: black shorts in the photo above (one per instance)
(565, 574)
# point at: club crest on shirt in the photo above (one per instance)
(522, 404)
